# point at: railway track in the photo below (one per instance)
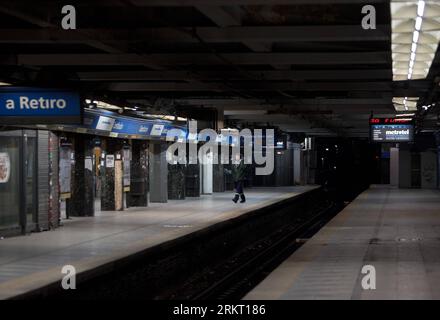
(246, 275)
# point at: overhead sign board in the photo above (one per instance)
(103, 122)
(39, 106)
(391, 130)
(374, 121)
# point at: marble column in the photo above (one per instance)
(54, 197)
(81, 202)
(218, 178)
(192, 180)
(110, 197)
(138, 195)
(176, 181)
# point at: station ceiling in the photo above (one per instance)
(303, 65)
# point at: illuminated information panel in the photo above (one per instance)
(391, 130)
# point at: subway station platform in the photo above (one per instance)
(395, 230)
(34, 261)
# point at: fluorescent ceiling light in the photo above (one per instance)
(405, 115)
(413, 47)
(244, 112)
(418, 25)
(405, 103)
(2, 84)
(164, 117)
(421, 8)
(105, 105)
(415, 33)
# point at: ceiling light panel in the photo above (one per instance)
(415, 37)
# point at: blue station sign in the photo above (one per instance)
(107, 123)
(39, 106)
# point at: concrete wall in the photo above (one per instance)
(428, 169)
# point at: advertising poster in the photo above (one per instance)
(110, 161)
(5, 167)
(65, 171)
(88, 163)
(157, 129)
(105, 123)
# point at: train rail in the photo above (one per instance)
(245, 270)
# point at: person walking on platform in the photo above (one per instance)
(239, 175)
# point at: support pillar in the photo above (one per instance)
(218, 169)
(82, 201)
(394, 167)
(192, 180)
(158, 173)
(138, 195)
(43, 179)
(112, 182)
(428, 170)
(437, 140)
(176, 181)
(297, 164)
(218, 178)
(54, 203)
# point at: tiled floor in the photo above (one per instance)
(397, 231)
(29, 262)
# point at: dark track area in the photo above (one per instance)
(244, 271)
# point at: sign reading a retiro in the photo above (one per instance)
(39, 106)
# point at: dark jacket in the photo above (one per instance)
(239, 171)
